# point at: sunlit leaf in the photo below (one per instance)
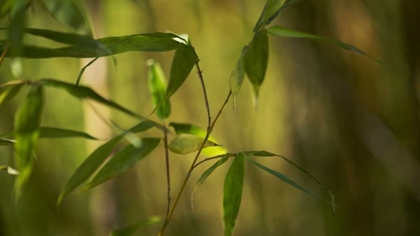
(9, 170)
(182, 64)
(256, 60)
(131, 229)
(6, 142)
(122, 161)
(67, 12)
(288, 180)
(185, 128)
(187, 143)
(271, 10)
(289, 33)
(83, 92)
(232, 193)
(95, 160)
(9, 92)
(153, 42)
(157, 87)
(27, 122)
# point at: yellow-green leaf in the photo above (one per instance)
(9, 92)
(157, 87)
(187, 143)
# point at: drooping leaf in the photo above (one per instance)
(271, 10)
(67, 12)
(187, 143)
(232, 193)
(27, 122)
(210, 170)
(17, 24)
(184, 60)
(288, 181)
(238, 74)
(10, 92)
(289, 33)
(95, 160)
(122, 161)
(157, 87)
(51, 132)
(256, 60)
(153, 42)
(5, 142)
(131, 229)
(185, 128)
(83, 92)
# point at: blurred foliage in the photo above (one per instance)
(352, 123)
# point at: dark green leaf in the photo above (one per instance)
(271, 10)
(27, 122)
(5, 142)
(66, 38)
(89, 167)
(154, 42)
(68, 13)
(50, 132)
(288, 180)
(131, 229)
(210, 170)
(122, 161)
(182, 64)
(10, 92)
(256, 60)
(16, 26)
(5, 7)
(238, 74)
(232, 193)
(289, 33)
(157, 87)
(83, 92)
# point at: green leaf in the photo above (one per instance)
(256, 60)
(10, 92)
(288, 180)
(232, 193)
(184, 60)
(210, 170)
(16, 26)
(95, 160)
(238, 74)
(122, 161)
(187, 143)
(83, 92)
(153, 42)
(5, 7)
(157, 87)
(50, 132)
(9, 170)
(27, 122)
(66, 38)
(68, 13)
(289, 33)
(5, 142)
(271, 10)
(185, 128)
(131, 229)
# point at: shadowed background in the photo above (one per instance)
(352, 123)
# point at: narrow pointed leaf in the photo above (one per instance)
(122, 161)
(6, 142)
(289, 33)
(51, 132)
(210, 170)
(238, 74)
(83, 92)
(9, 92)
(187, 143)
(186, 128)
(271, 10)
(157, 87)
(67, 12)
(232, 193)
(16, 26)
(182, 64)
(131, 229)
(66, 38)
(153, 42)
(27, 122)
(288, 180)
(95, 160)
(256, 60)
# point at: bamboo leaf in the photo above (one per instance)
(238, 74)
(157, 87)
(256, 60)
(122, 161)
(5, 142)
(289, 33)
(51, 132)
(17, 23)
(232, 193)
(95, 160)
(10, 92)
(27, 122)
(182, 64)
(187, 143)
(288, 181)
(210, 170)
(271, 10)
(66, 38)
(131, 229)
(67, 13)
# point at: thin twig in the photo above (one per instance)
(168, 173)
(206, 100)
(3, 55)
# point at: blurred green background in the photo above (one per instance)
(350, 122)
